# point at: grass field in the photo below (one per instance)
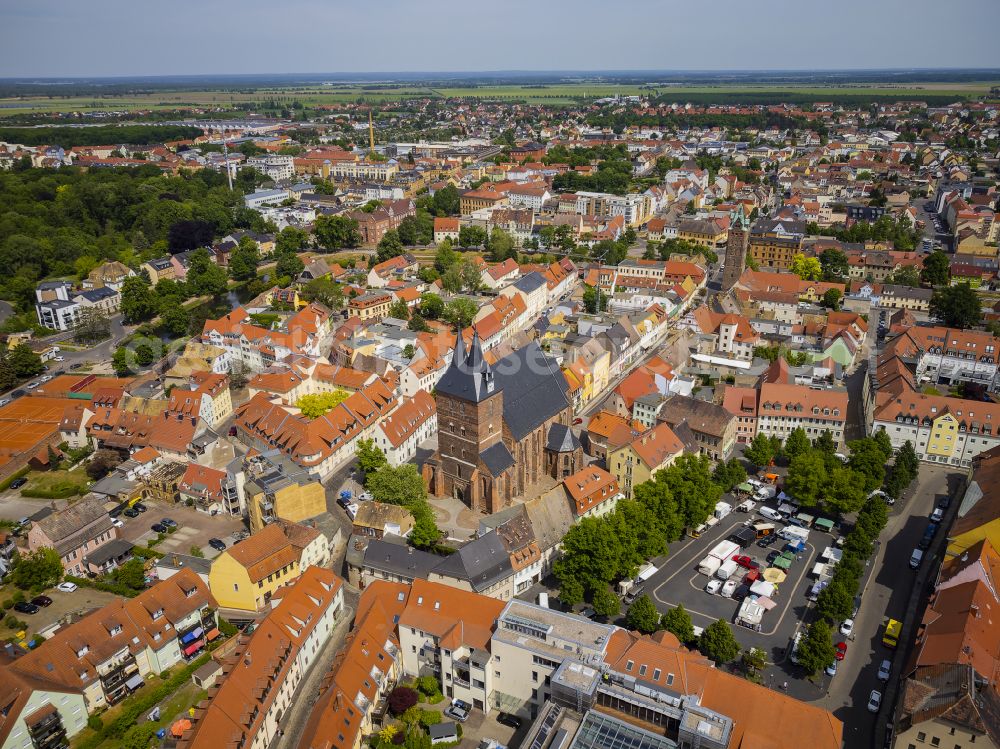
(559, 93)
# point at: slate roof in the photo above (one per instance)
(497, 459)
(530, 282)
(483, 562)
(404, 561)
(561, 439)
(469, 376)
(534, 389)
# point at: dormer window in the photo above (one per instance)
(157, 614)
(82, 651)
(115, 630)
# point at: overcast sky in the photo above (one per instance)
(147, 37)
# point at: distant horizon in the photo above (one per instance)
(47, 39)
(515, 72)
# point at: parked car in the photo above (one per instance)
(841, 648)
(158, 528)
(945, 502)
(938, 515)
(457, 712)
(117, 523)
(139, 506)
(746, 562)
(847, 628)
(874, 701)
(4, 402)
(884, 669)
(42, 601)
(60, 358)
(831, 670)
(24, 607)
(168, 522)
(217, 543)
(18, 482)
(772, 555)
(577, 420)
(66, 587)
(729, 587)
(768, 541)
(506, 719)
(131, 512)
(344, 500)
(714, 586)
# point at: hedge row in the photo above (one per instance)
(59, 491)
(5, 484)
(116, 588)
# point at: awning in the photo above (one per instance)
(194, 634)
(212, 634)
(193, 647)
(766, 603)
(824, 524)
(134, 682)
(745, 488)
(774, 575)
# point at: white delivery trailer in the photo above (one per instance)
(794, 533)
(722, 509)
(646, 572)
(709, 565)
(726, 570)
(724, 550)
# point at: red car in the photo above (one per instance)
(841, 650)
(744, 561)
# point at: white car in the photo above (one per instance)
(874, 701)
(884, 497)
(117, 523)
(60, 358)
(847, 628)
(713, 587)
(831, 670)
(884, 670)
(66, 587)
(729, 588)
(937, 515)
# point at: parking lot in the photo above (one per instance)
(76, 604)
(678, 581)
(193, 528)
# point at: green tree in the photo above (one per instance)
(605, 602)
(884, 443)
(937, 269)
(806, 268)
(325, 291)
(690, 484)
(144, 355)
(445, 257)
(121, 361)
(471, 236)
(37, 570)
(24, 362)
(957, 306)
(501, 246)
(131, 574)
(906, 275)
(431, 306)
(175, 320)
(835, 602)
(753, 660)
(868, 461)
(825, 444)
(760, 452)
(397, 485)
(137, 301)
(831, 299)
(204, 277)
(642, 615)
(594, 300)
(834, 264)
(389, 246)
(418, 323)
(425, 532)
(460, 312)
(797, 443)
(315, 405)
(139, 736)
(334, 233)
(399, 310)
(718, 643)
(729, 474)
(243, 261)
(288, 265)
(370, 456)
(843, 491)
(471, 277)
(816, 650)
(92, 325)
(806, 478)
(678, 621)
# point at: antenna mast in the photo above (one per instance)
(225, 150)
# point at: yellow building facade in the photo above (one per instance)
(294, 503)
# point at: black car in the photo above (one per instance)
(168, 522)
(18, 482)
(42, 601)
(23, 607)
(772, 555)
(217, 544)
(131, 512)
(945, 502)
(17, 393)
(506, 719)
(158, 528)
(139, 506)
(75, 365)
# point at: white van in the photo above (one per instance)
(916, 558)
(769, 513)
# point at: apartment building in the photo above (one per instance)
(948, 356)
(274, 167)
(75, 532)
(634, 208)
(412, 423)
(713, 427)
(209, 490)
(274, 488)
(727, 335)
(259, 677)
(248, 574)
(782, 408)
(107, 655)
(635, 462)
(373, 305)
(774, 242)
(592, 492)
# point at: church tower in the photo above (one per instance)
(470, 420)
(736, 249)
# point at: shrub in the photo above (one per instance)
(402, 699)
(429, 717)
(94, 723)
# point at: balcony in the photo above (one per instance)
(47, 732)
(461, 678)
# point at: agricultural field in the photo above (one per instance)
(555, 94)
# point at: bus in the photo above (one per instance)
(892, 629)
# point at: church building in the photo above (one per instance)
(501, 428)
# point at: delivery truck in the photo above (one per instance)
(726, 570)
(722, 509)
(709, 565)
(724, 550)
